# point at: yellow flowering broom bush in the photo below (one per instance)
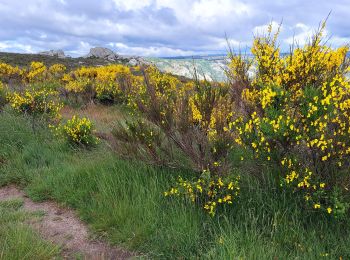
(300, 119)
(111, 82)
(37, 72)
(39, 104)
(79, 131)
(106, 83)
(80, 82)
(3, 99)
(10, 74)
(209, 192)
(193, 117)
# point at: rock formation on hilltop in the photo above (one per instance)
(103, 53)
(53, 53)
(109, 55)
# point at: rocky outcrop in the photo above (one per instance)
(54, 53)
(133, 62)
(137, 61)
(102, 53)
(109, 55)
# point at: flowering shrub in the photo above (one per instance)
(300, 119)
(108, 83)
(3, 99)
(9, 73)
(77, 86)
(144, 141)
(37, 72)
(79, 131)
(36, 103)
(210, 193)
(57, 70)
(193, 116)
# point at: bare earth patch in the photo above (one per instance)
(61, 226)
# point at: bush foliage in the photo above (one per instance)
(300, 118)
(79, 131)
(292, 114)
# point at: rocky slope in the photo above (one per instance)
(54, 53)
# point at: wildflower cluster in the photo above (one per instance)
(78, 131)
(35, 73)
(193, 115)
(156, 93)
(39, 73)
(35, 102)
(189, 118)
(3, 99)
(106, 83)
(9, 73)
(301, 118)
(210, 193)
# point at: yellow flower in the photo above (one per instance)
(317, 206)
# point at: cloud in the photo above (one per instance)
(162, 27)
(132, 4)
(151, 51)
(212, 11)
(14, 46)
(302, 35)
(261, 29)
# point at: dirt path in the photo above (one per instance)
(61, 226)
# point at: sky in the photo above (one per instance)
(163, 28)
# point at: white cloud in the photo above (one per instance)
(301, 34)
(129, 5)
(162, 27)
(12, 46)
(150, 51)
(262, 29)
(339, 41)
(63, 2)
(211, 10)
(81, 49)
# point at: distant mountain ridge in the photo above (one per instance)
(215, 56)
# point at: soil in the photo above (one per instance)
(61, 226)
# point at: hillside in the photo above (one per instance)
(22, 60)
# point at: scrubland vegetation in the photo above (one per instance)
(255, 168)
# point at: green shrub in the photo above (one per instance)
(300, 119)
(79, 131)
(3, 99)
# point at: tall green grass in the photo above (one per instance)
(17, 240)
(122, 201)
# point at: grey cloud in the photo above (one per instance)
(74, 25)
